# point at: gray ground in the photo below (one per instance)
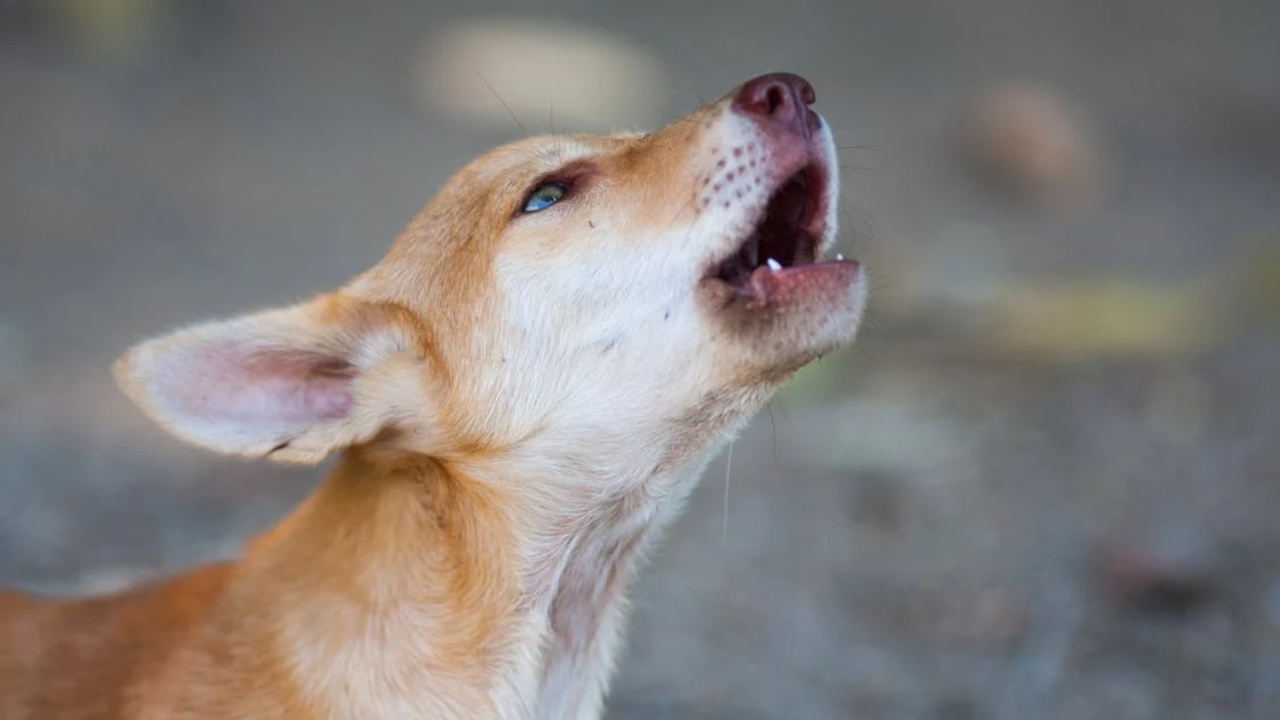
(941, 524)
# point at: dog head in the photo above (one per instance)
(617, 290)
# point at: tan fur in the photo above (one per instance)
(521, 402)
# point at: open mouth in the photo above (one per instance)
(786, 236)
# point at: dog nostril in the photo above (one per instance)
(805, 90)
(778, 98)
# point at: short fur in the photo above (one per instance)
(521, 402)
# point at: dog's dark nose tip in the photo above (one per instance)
(780, 99)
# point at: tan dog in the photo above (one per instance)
(523, 391)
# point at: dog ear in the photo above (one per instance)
(294, 384)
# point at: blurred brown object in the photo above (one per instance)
(1031, 143)
(1163, 570)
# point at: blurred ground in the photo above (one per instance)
(1042, 486)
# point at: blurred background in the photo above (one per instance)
(1042, 485)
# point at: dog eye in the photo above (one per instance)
(544, 196)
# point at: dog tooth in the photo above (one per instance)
(774, 265)
(839, 256)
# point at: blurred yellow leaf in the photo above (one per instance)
(1261, 284)
(1090, 318)
(118, 28)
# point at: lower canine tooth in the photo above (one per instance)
(839, 256)
(773, 264)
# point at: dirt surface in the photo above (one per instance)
(1042, 486)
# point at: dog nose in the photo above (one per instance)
(779, 99)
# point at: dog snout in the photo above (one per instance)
(780, 101)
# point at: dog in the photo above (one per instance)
(521, 394)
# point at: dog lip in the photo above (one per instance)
(765, 282)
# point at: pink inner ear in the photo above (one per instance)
(256, 390)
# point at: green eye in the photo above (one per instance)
(544, 196)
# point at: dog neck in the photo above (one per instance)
(506, 578)
(583, 523)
